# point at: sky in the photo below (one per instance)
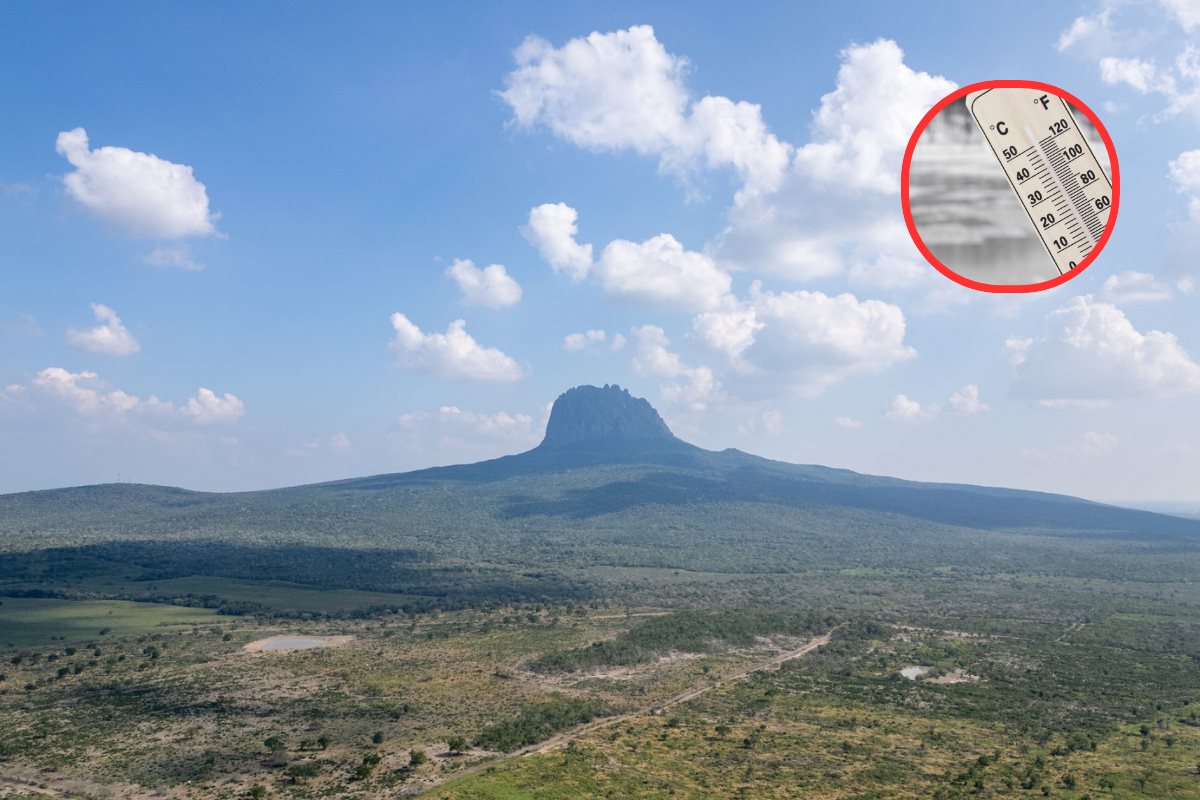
(254, 245)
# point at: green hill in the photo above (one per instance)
(610, 487)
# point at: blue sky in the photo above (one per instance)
(285, 312)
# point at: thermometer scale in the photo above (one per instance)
(1051, 167)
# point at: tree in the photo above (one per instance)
(257, 792)
(457, 744)
(274, 743)
(309, 769)
(418, 757)
(323, 741)
(377, 737)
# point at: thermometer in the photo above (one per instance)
(1050, 166)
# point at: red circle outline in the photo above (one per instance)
(1004, 287)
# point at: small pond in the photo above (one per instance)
(913, 673)
(295, 643)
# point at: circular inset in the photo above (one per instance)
(1006, 188)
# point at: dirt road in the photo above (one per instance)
(561, 739)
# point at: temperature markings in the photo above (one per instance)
(1065, 192)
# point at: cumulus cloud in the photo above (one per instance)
(1135, 287)
(904, 408)
(173, 258)
(965, 402)
(1186, 12)
(835, 209)
(593, 341)
(1090, 351)
(862, 126)
(729, 330)
(803, 341)
(848, 423)
(139, 192)
(692, 389)
(88, 396)
(821, 339)
(1185, 172)
(110, 337)
(1141, 75)
(491, 286)
(1131, 50)
(623, 91)
(208, 407)
(660, 271)
(1089, 30)
(551, 229)
(802, 213)
(453, 354)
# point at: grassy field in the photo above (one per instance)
(37, 622)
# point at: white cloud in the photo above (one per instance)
(1185, 172)
(338, 443)
(453, 354)
(1134, 287)
(966, 401)
(660, 271)
(90, 397)
(593, 340)
(1091, 351)
(140, 192)
(552, 228)
(1082, 30)
(730, 330)
(1186, 12)
(207, 407)
(835, 210)
(905, 409)
(468, 435)
(110, 337)
(1097, 444)
(173, 258)
(820, 339)
(803, 341)
(767, 422)
(694, 387)
(1178, 82)
(847, 423)
(491, 286)
(862, 126)
(624, 91)
(1141, 75)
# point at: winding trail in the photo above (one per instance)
(561, 739)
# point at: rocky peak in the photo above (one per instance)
(593, 414)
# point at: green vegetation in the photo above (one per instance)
(491, 607)
(36, 622)
(686, 631)
(540, 722)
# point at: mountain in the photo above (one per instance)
(589, 415)
(610, 485)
